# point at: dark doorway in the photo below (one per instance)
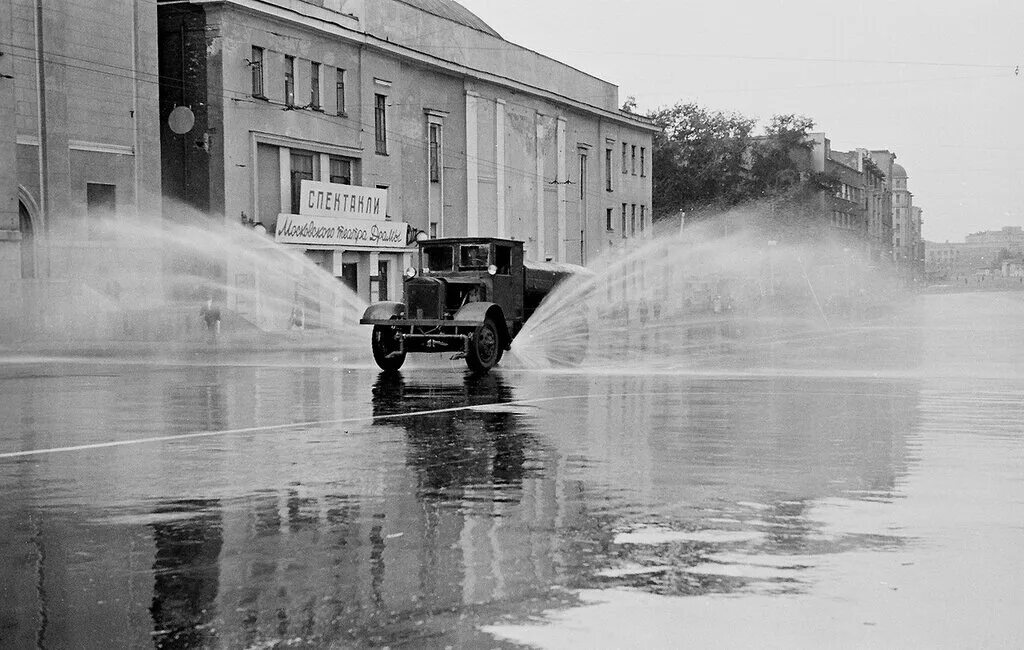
(350, 275)
(28, 251)
(382, 279)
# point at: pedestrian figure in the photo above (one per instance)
(211, 316)
(297, 320)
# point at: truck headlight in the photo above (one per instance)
(410, 272)
(492, 269)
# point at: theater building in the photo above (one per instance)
(417, 103)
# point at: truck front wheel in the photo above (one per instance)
(484, 348)
(387, 349)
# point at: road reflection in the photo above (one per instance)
(186, 574)
(414, 508)
(458, 449)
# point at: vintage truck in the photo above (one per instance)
(467, 295)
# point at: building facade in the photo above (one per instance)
(465, 133)
(79, 142)
(989, 251)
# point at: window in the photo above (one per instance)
(314, 85)
(341, 171)
(608, 221)
(625, 148)
(643, 217)
(643, 161)
(583, 176)
(632, 221)
(632, 158)
(256, 65)
(474, 256)
(380, 123)
(339, 90)
(503, 259)
(608, 169)
(623, 219)
(435, 153)
(387, 217)
(438, 258)
(289, 81)
(302, 169)
(101, 204)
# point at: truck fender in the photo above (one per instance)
(385, 310)
(480, 311)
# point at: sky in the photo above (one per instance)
(931, 80)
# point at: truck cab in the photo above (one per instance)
(466, 295)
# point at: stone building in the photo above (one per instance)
(79, 142)
(979, 253)
(415, 103)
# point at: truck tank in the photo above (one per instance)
(540, 278)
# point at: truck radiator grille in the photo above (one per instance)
(425, 297)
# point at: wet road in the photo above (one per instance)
(229, 500)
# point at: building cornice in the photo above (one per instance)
(301, 143)
(326, 21)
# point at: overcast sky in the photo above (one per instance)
(932, 81)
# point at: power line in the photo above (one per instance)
(348, 123)
(740, 57)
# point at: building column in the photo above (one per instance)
(560, 147)
(540, 252)
(9, 216)
(499, 164)
(284, 156)
(472, 166)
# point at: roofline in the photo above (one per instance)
(327, 26)
(493, 31)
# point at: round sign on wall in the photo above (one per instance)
(181, 119)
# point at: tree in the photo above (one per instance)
(710, 160)
(698, 158)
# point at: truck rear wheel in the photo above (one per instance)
(387, 349)
(484, 348)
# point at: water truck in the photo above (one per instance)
(467, 295)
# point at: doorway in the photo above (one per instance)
(350, 275)
(28, 251)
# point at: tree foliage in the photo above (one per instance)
(711, 159)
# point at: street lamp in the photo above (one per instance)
(416, 235)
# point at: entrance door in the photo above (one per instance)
(382, 279)
(28, 251)
(350, 275)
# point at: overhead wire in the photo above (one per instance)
(364, 127)
(337, 121)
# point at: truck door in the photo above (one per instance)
(508, 281)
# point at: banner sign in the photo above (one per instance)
(335, 200)
(340, 232)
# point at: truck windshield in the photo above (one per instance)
(438, 258)
(473, 256)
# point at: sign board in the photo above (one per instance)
(335, 200)
(343, 232)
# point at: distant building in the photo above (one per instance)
(877, 206)
(468, 133)
(988, 250)
(906, 223)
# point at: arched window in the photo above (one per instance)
(28, 257)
